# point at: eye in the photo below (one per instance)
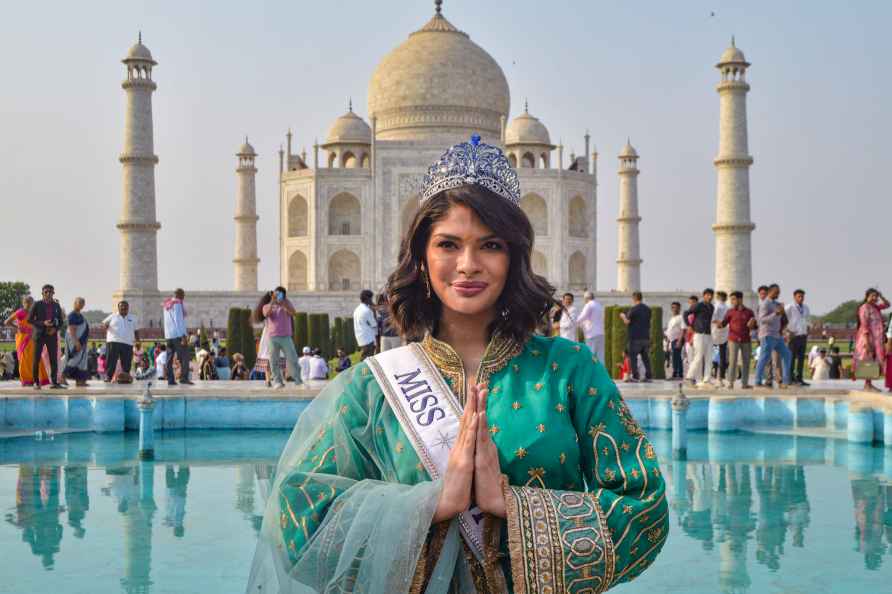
(493, 245)
(446, 244)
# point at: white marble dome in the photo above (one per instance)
(526, 129)
(349, 129)
(438, 84)
(732, 55)
(139, 52)
(628, 151)
(246, 149)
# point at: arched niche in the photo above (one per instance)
(539, 263)
(577, 271)
(297, 271)
(344, 272)
(297, 216)
(344, 215)
(577, 217)
(537, 212)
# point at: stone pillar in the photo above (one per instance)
(733, 228)
(138, 254)
(246, 260)
(628, 270)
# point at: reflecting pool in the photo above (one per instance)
(750, 513)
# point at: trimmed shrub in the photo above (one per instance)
(248, 346)
(657, 356)
(325, 333)
(301, 330)
(234, 331)
(349, 335)
(608, 333)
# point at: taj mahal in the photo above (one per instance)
(343, 208)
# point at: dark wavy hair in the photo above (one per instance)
(257, 315)
(526, 296)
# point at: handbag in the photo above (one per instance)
(867, 370)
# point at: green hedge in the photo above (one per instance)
(248, 344)
(608, 333)
(657, 356)
(619, 339)
(300, 330)
(234, 331)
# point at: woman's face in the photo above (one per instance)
(467, 263)
(872, 297)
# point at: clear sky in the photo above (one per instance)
(819, 124)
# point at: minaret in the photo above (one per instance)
(733, 228)
(245, 261)
(628, 269)
(139, 229)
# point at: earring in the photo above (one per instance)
(427, 283)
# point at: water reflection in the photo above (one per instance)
(727, 506)
(746, 516)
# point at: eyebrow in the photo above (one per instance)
(457, 238)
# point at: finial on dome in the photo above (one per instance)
(526, 105)
(732, 41)
(438, 6)
(350, 104)
(139, 37)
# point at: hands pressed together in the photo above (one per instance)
(473, 474)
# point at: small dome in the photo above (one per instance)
(246, 149)
(526, 129)
(628, 151)
(139, 52)
(732, 55)
(349, 129)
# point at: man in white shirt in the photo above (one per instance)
(592, 319)
(120, 334)
(797, 325)
(365, 324)
(675, 334)
(318, 366)
(161, 362)
(568, 321)
(304, 363)
(176, 335)
(720, 333)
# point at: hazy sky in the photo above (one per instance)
(819, 125)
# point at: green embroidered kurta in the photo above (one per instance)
(584, 492)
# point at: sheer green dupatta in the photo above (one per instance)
(336, 519)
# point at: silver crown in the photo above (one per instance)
(472, 163)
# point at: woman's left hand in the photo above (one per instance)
(487, 472)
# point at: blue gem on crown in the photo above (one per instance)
(471, 163)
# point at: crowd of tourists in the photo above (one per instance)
(715, 342)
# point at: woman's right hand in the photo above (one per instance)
(456, 494)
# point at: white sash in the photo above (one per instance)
(429, 414)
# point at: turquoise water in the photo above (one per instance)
(750, 513)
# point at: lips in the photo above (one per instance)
(469, 288)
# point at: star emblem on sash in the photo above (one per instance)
(444, 441)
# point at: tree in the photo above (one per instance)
(94, 317)
(844, 313)
(657, 355)
(11, 293)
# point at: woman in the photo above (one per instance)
(354, 507)
(264, 354)
(24, 344)
(869, 335)
(76, 344)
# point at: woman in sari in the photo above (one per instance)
(869, 335)
(24, 344)
(76, 344)
(545, 484)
